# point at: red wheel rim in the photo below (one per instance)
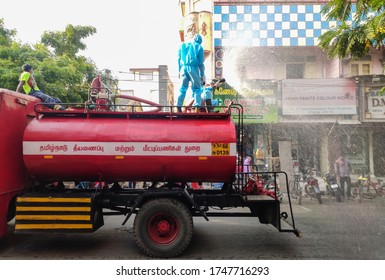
(162, 228)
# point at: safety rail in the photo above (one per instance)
(270, 184)
(131, 112)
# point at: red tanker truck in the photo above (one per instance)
(42, 150)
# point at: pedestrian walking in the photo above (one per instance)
(343, 169)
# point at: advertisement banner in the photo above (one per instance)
(319, 97)
(259, 105)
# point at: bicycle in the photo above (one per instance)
(296, 189)
(356, 190)
(372, 189)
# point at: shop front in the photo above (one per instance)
(373, 120)
(320, 117)
(260, 111)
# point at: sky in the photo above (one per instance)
(130, 33)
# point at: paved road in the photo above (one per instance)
(342, 231)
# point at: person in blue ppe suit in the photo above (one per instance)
(191, 69)
(207, 94)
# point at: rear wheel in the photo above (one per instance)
(360, 190)
(163, 228)
(338, 195)
(293, 190)
(11, 210)
(369, 192)
(382, 190)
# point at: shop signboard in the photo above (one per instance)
(376, 107)
(259, 104)
(319, 97)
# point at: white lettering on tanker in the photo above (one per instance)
(122, 148)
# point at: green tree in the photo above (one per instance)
(6, 35)
(366, 30)
(60, 73)
(69, 41)
(12, 55)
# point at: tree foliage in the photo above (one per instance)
(58, 69)
(6, 35)
(354, 36)
(68, 42)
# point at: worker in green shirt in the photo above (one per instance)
(28, 83)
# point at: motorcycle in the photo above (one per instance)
(312, 188)
(332, 188)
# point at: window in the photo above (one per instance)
(295, 71)
(146, 76)
(130, 76)
(366, 69)
(354, 70)
(310, 58)
(359, 68)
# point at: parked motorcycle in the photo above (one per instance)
(332, 188)
(312, 188)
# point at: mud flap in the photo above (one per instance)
(266, 209)
(58, 212)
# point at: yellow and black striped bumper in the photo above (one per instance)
(57, 213)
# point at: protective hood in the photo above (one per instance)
(198, 38)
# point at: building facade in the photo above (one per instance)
(300, 106)
(153, 84)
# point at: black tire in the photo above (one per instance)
(329, 191)
(293, 190)
(163, 228)
(309, 190)
(382, 190)
(338, 195)
(369, 193)
(360, 189)
(353, 193)
(11, 210)
(318, 196)
(299, 199)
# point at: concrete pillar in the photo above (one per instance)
(370, 151)
(286, 161)
(163, 82)
(324, 155)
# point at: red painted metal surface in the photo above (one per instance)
(163, 228)
(16, 110)
(128, 149)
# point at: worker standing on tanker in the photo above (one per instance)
(191, 69)
(207, 93)
(29, 85)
